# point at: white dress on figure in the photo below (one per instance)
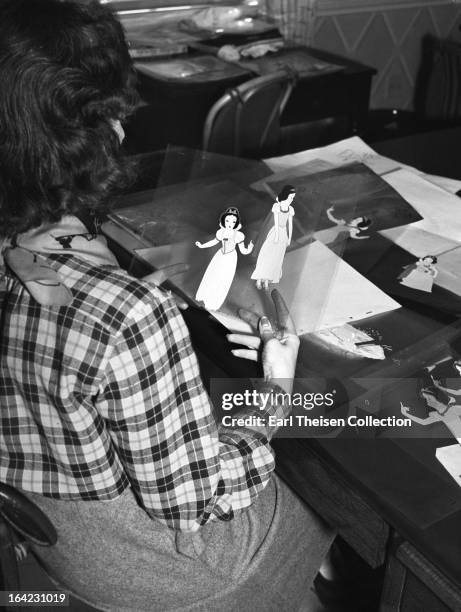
(418, 276)
(271, 255)
(220, 272)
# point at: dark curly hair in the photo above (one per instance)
(65, 74)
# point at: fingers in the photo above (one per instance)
(266, 330)
(246, 354)
(160, 276)
(155, 277)
(284, 320)
(251, 342)
(250, 317)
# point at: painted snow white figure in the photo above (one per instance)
(421, 274)
(220, 272)
(275, 242)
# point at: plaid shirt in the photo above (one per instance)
(105, 393)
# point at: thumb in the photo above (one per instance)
(266, 330)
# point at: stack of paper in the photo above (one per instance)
(433, 197)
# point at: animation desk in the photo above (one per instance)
(388, 497)
(174, 109)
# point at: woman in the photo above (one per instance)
(275, 239)
(105, 423)
(220, 272)
(421, 274)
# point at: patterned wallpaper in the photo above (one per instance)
(387, 39)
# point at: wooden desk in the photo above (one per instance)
(389, 499)
(175, 112)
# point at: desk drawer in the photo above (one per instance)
(328, 492)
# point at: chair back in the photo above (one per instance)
(20, 521)
(245, 122)
(439, 90)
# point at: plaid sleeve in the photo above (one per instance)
(182, 469)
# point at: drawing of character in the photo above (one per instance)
(220, 272)
(444, 410)
(275, 238)
(447, 377)
(421, 274)
(356, 227)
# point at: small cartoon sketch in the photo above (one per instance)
(444, 410)
(420, 275)
(356, 227)
(220, 272)
(275, 237)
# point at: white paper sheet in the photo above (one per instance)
(450, 458)
(324, 291)
(419, 242)
(339, 153)
(355, 150)
(441, 210)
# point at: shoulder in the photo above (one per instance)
(239, 237)
(276, 207)
(220, 233)
(291, 211)
(109, 296)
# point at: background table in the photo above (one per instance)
(174, 112)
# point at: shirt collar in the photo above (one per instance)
(27, 257)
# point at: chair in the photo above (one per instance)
(245, 122)
(437, 97)
(21, 521)
(440, 81)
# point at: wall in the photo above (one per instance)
(386, 35)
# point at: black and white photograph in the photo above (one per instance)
(230, 305)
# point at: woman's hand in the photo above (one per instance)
(278, 349)
(199, 245)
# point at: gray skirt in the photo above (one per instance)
(114, 557)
